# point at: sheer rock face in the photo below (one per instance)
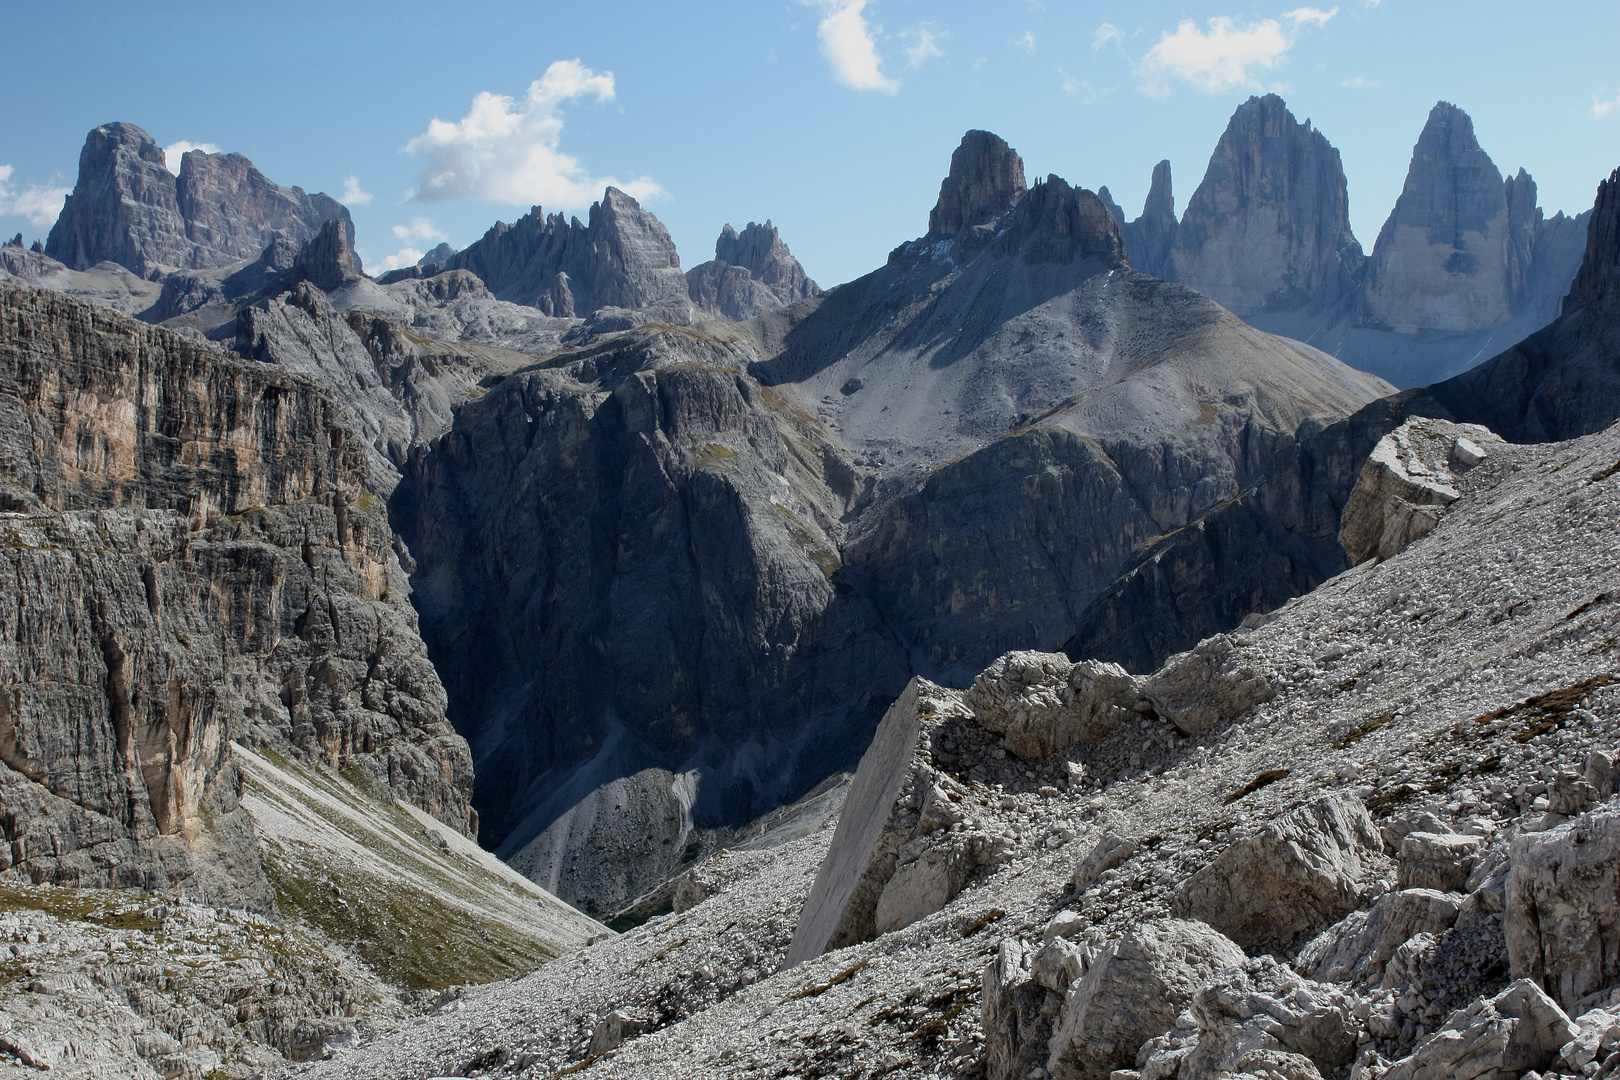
(127, 208)
(1269, 227)
(985, 181)
(195, 561)
(623, 257)
(1443, 260)
(1150, 238)
(752, 272)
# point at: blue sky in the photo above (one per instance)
(835, 119)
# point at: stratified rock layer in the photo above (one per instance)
(752, 272)
(194, 560)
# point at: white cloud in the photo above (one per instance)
(1308, 16)
(352, 195)
(1226, 56)
(1082, 88)
(1026, 42)
(1601, 109)
(922, 44)
(177, 150)
(848, 45)
(420, 229)
(505, 150)
(1360, 83)
(36, 202)
(1106, 33)
(405, 256)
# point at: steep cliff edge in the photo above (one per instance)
(193, 559)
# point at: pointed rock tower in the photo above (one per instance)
(1268, 230)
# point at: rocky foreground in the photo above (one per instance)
(1371, 834)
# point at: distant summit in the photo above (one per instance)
(1465, 265)
(752, 272)
(127, 208)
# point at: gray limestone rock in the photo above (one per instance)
(206, 569)
(1150, 239)
(1132, 992)
(1275, 890)
(1442, 258)
(328, 261)
(1355, 949)
(986, 180)
(1268, 228)
(1563, 916)
(127, 208)
(1211, 682)
(623, 257)
(752, 272)
(1439, 861)
(1261, 1019)
(1043, 702)
(1500, 1039)
(1405, 483)
(1015, 1014)
(1110, 851)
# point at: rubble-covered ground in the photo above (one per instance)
(1367, 794)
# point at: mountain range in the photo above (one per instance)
(619, 569)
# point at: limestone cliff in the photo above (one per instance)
(192, 559)
(1150, 238)
(1269, 227)
(127, 208)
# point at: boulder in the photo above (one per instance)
(1562, 907)
(1499, 1039)
(614, 1029)
(1132, 992)
(1405, 483)
(1356, 948)
(1261, 1017)
(1110, 851)
(1441, 861)
(1040, 703)
(1299, 874)
(1211, 682)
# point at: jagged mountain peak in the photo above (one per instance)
(1269, 227)
(128, 208)
(1598, 280)
(329, 261)
(985, 180)
(752, 272)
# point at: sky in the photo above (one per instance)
(833, 118)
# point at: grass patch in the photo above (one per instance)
(1265, 779)
(817, 989)
(1364, 729)
(1544, 712)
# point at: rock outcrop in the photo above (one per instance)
(195, 560)
(752, 272)
(622, 257)
(986, 179)
(1131, 992)
(1407, 481)
(1268, 229)
(1563, 916)
(1279, 888)
(1519, 1030)
(127, 208)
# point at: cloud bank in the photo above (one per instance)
(506, 150)
(848, 45)
(177, 150)
(36, 202)
(1225, 56)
